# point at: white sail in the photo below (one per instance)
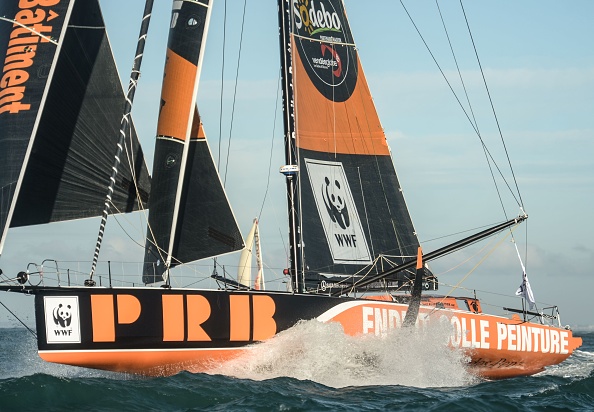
(259, 283)
(244, 269)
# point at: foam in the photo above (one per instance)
(322, 353)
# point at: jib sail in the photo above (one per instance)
(190, 217)
(61, 104)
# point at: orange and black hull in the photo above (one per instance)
(156, 331)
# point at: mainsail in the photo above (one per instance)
(61, 104)
(190, 216)
(351, 209)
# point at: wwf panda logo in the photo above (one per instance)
(62, 315)
(334, 198)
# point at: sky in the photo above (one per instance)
(538, 61)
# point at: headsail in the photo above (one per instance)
(61, 103)
(351, 207)
(244, 268)
(190, 216)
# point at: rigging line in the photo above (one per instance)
(294, 147)
(470, 108)
(365, 209)
(475, 266)
(141, 208)
(367, 269)
(152, 240)
(466, 260)
(461, 232)
(333, 109)
(222, 85)
(122, 227)
(371, 140)
(457, 66)
(134, 75)
(481, 261)
(526, 248)
(497, 122)
(17, 318)
(459, 103)
(235, 92)
(132, 164)
(278, 83)
(492, 105)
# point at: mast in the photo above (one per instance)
(126, 120)
(290, 170)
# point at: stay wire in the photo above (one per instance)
(17, 318)
(500, 135)
(235, 93)
(492, 107)
(278, 83)
(222, 85)
(459, 103)
(471, 110)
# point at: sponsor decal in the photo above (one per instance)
(250, 318)
(338, 212)
(325, 46)
(470, 332)
(62, 319)
(33, 28)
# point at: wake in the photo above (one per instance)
(321, 352)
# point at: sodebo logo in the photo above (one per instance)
(317, 16)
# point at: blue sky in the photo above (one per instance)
(538, 61)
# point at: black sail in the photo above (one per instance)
(190, 216)
(57, 155)
(352, 210)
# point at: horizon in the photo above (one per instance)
(542, 85)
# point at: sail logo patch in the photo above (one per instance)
(32, 29)
(330, 60)
(338, 212)
(334, 199)
(62, 319)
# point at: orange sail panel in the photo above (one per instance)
(176, 96)
(348, 127)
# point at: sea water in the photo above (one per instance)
(311, 366)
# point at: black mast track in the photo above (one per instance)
(435, 254)
(295, 257)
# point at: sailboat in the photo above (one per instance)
(244, 268)
(355, 258)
